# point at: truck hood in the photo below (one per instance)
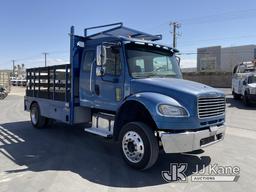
(169, 86)
(184, 91)
(252, 85)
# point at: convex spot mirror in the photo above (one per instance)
(101, 55)
(178, 60)
(100, 71)
(103, 50)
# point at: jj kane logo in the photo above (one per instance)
(210, 173)
(176, 172)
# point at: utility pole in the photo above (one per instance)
(45, 58)
(175, 25)
(13, 65)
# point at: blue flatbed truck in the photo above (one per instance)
(129, 88)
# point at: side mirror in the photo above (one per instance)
(101, 55)
(244, 82)
(100, 71)
(178, 60)
(235, 69)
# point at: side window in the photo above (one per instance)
(241, 69)
(250, 79)
(113, 65)
(88, 59)
(140, 65)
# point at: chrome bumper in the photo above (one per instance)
(191, 141)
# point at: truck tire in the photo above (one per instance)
(37, 120)
(246, 101)
(139, 146)
(235, 95)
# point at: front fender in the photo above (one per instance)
(150, 101)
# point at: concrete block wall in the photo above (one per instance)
(214, 79)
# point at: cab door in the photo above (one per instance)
(108, 87)
(236, 80)
(86, 89)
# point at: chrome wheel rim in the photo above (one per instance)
(34, 116)
(133, 146)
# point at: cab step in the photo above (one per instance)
(98, 131)
(102, 125)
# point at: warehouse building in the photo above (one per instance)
(212, 59)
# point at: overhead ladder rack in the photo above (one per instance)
(120, 31)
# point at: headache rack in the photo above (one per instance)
(53, 82)
(120, 31)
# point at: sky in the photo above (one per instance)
(30, 27)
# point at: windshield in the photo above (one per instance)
(149, 62)
(252, 79)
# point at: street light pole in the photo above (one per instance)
(45, 58)
(175, 26)
(13, 65)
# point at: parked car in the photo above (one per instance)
(3, 92)
(5, 80)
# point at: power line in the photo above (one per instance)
(218, 38)
(224, 16)
(221, 17)
(222, 53)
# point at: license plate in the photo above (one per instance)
(213, 130)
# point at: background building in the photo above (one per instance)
(216, 58)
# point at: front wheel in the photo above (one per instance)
(139, 145)
(235, 95)
(246, 100)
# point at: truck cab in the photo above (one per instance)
(129, 88)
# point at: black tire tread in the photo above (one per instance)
(41, 120)
(236, 96)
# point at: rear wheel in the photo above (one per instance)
(139, 145)
(37, 120)
(246, 100)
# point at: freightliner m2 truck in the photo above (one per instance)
(128, 88)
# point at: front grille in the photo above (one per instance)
(211, 106)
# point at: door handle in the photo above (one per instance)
(97, 89)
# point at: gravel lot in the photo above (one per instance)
(63, 158)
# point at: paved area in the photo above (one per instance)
(63, 158)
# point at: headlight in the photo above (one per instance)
(172, 111)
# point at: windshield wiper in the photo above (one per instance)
(152, 74)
